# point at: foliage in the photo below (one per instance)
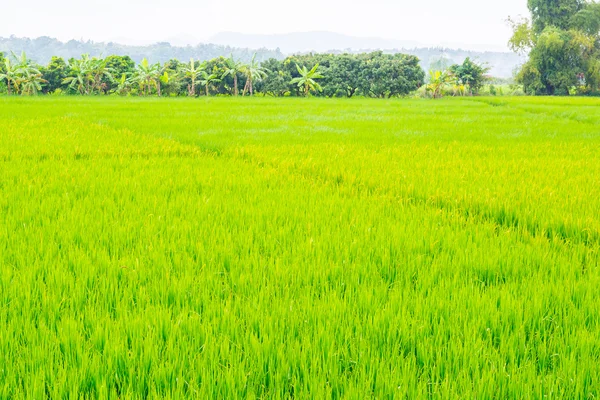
(562, 45)
(470, 74)
(54, 74)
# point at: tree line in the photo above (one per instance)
(373, 74)
(346, 75)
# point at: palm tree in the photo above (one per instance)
(307, 79)
(192, 72)
(11, 75)
(208, 80)
(253, 72)
(233, 68)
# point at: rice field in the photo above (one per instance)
(299, 248)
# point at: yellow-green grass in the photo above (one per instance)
(279, 248)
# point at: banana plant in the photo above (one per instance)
(31, 81)
(307, 79)
(147, 75)
(233, 68)
(437, 81)
(86, 74)
(192, 72)
(208, 80)
(28, 77)
(11, 76)
(253, 72)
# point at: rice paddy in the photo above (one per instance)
(299, 248)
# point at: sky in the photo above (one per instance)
(470, 23)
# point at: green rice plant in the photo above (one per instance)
(299, 248)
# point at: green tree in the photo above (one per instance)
(470, 74)
(562, 44)
(557, 13)
(307, 79)
(117, 65)
(54, 74)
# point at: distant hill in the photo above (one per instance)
(300, 42)
(42, 49)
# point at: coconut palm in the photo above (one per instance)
(306, 80)
(208, 80)
(233, 68)
(253, 73)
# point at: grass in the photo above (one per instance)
(292, 248)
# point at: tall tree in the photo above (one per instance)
(563, 47)
(558, 13)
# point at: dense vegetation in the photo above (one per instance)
(281, 248)
(563, 43)
(370, 75)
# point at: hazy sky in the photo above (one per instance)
(431, 22)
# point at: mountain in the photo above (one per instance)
(502, 64)
(43, 48)
(300, 42)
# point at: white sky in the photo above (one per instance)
(431, 22)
